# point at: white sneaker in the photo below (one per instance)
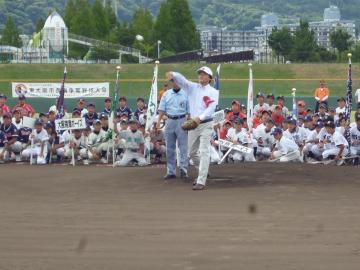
(103, 161)
(86, 162)
(17, 158)
(340, 162)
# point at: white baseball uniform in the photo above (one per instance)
(133, 141)
(286, 150)
(355, 141)
(243, 138)
(332, 147)
(265, 141)
(38, 138)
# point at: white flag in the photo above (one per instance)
(151, 111)
(250, 101)
(152, 105)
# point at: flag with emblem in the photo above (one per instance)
(250, 100)
(217, 78)
(349, 93)
(60, 102)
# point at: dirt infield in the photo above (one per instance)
(253, 216)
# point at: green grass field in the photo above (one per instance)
(136, 79)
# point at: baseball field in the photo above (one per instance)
(136, 79)
(252, 216)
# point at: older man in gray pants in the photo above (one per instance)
(174, 104)
(203, 99)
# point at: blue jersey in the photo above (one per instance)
(124, 111)
(3, 139)
(24, 134)
(107, 111)
(89, 119)
(138, 112)
(10, 131)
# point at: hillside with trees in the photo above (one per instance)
(235, 14)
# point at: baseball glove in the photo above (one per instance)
(189, 124)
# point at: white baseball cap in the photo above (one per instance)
(206, 70)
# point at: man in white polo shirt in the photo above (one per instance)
(203, 99)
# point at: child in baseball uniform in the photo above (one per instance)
(265, 141)
(77, 141)
(286, 149)
(337, 146)
(3, 146)
(40, 138)
(134, 145)
(355, 139)
(96, 145)
(239, 135)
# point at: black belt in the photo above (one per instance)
(206, 121)
(176, 117)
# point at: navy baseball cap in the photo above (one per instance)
(271, 95)
(48, 125)
(108, 99)
(319, 124)
(238, 121)
(341, 99)
(280, 97)
(308, 118)
(276, 131)
(97, 121)
(104, 116)
(293, 122)
(322, 105)
(122, 98)
(3, 96)
(330, 124)
(259, 95)
(38, 122)
(91, 104)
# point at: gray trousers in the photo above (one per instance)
(199, 148)
(173, 133)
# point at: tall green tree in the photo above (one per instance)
(143, 24)
(39, 24)
(110, 14)
(341, 40)
(281, 42)
(175, 27)
(70, 13)
(82, 24)
(101, 21)
(305, 46)
(11, 35)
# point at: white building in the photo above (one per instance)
(55, 36)
(215, 39)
